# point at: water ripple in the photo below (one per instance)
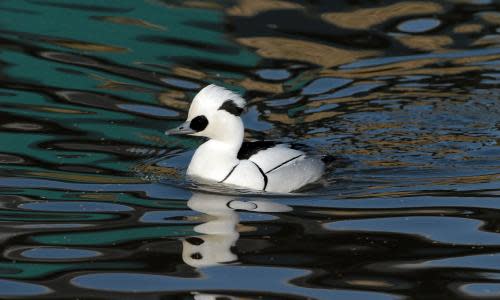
(215, 279)
(93, 197)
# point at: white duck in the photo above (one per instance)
(225, 158)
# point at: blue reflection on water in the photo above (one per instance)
(76, 206)
(230, 278)
(441, 229)
(419, 25)
(11, 288)
(323, 85)
(364, 63)
(55, 253)
(487, 290)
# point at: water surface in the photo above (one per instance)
(93, 199)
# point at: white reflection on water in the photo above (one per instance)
(219, 231)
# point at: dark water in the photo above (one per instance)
(93, 200)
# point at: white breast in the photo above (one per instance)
(247, 174)
(212, 161)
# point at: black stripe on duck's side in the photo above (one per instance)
(263, 175)
(250, 148)
(283, 163)
(229, 174)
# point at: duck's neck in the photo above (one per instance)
(229, 138)
(216, 158)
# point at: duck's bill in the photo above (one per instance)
(182, 129)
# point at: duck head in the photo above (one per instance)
(215, 114)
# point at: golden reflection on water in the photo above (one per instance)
(417, 140)
(254, 85)
(83, 178)
(87, 46)
(390, 163)
(130, 21)
(174, 99)
(422, 66)
(188, 72)
(489, 40)
(248, 8)
(99, 196)
(430, 43)
(201, 4)
(468, 28)
(467, 179)
(366, 18)
(282, 118)
(60, 110)
(372, 283)
(492, 17)
(160, 172)
(110, 84)
(321, 116)
(306, 51)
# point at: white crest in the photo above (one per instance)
(211, 97)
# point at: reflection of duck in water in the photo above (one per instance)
(220, 233)
(204, 296)
(225, 158)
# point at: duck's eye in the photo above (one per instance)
(199, 123)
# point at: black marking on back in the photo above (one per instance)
(263, 175)
(199, 123)
(284, 163)
(195, 240)
(229, 174)
(231, 108)
(250, 148)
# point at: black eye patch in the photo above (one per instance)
(231, 108)
(196, 255)
(199, 123)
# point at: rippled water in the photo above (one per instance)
(94, 204)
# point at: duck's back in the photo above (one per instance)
(284, 169)
(268, 155)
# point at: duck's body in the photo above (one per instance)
(225, 158)
(257, 165)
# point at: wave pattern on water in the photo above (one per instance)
(93, 199)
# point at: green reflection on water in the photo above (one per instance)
(127, 26)
(39, 107)
(112, 237)
(28, 216)
(179, 23)
(25, 270)
(111, 197)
